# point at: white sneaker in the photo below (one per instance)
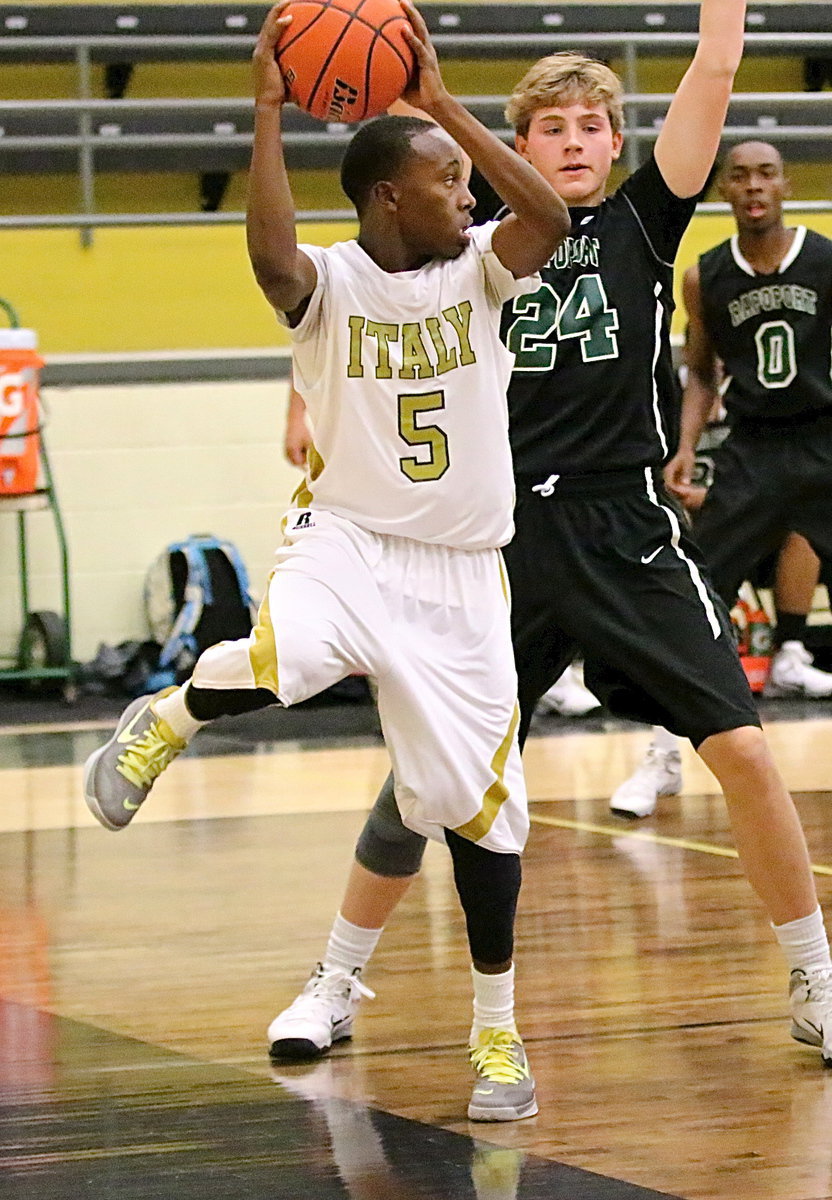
(792, 674)
(569, 697)
(322, 1014)
(810, 1000)
(659, 774)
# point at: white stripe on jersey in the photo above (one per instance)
(657, 334)
(675, 539)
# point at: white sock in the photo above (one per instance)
(173, 710)
(349, 946)
(804, 942)
(665, 741)
(493, 1002)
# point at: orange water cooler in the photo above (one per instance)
(20, 366)
(43, 656)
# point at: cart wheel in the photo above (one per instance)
(42, 642)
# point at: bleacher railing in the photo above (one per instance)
(770, 114)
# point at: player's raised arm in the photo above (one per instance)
(285, 274)
(526, 240)
(687, 145)
(700, 389)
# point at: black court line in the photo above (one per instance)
(88, 1114)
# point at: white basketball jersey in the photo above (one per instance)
(404, 376)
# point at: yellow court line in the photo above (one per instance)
(658, 839)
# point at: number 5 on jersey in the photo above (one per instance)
(433, 460)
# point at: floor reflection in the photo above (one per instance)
(85, 1113)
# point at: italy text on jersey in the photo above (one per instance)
(412, 350)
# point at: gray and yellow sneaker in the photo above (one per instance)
(118, 776)
(504, 1090)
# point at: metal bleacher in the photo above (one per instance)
(87, 134)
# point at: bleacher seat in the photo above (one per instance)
(214, 135)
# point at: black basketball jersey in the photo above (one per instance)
(593, 387)
(772, 332)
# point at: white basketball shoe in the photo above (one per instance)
(658, 774)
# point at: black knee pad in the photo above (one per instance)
(488, 884)
(385, 846)
(206, 704)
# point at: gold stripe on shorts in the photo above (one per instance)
(504, 579)
(302, 496)
(493, 800)
(263, 651)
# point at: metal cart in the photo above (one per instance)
(43, 656)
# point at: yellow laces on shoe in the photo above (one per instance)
(147, 758)
(493, 1057)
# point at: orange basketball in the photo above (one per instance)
(344, 60)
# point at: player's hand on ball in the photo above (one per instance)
(269, 88)
(426, 89)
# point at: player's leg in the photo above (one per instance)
(744, 516)
(670, 657)
(450, 715)
(792, 674)
(810, 463)
(772, 848)
(740, 521)
(387, 857)
(488, 885)
(307, 637)
(797, 575)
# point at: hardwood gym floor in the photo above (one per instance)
(139, 973)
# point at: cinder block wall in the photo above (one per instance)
(136, 468)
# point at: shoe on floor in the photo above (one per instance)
(792, 674)
(504, 1090)
(810, 1001)
(119, 775)
(322, 1014)
(659, 774)
(569, 697)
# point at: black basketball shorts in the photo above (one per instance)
(768, 482)
(603, 567)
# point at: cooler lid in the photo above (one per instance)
(18, 339)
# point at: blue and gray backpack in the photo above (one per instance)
(196, 594)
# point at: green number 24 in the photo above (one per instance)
(585, 314)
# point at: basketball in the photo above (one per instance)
(345, 60)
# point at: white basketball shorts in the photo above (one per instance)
(431, 625)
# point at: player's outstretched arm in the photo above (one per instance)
(700, 390)
(689, 140)
(284, 273)
(526, 240)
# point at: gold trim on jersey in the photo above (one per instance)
(263, 651)
(497, 794)
(302, 496)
